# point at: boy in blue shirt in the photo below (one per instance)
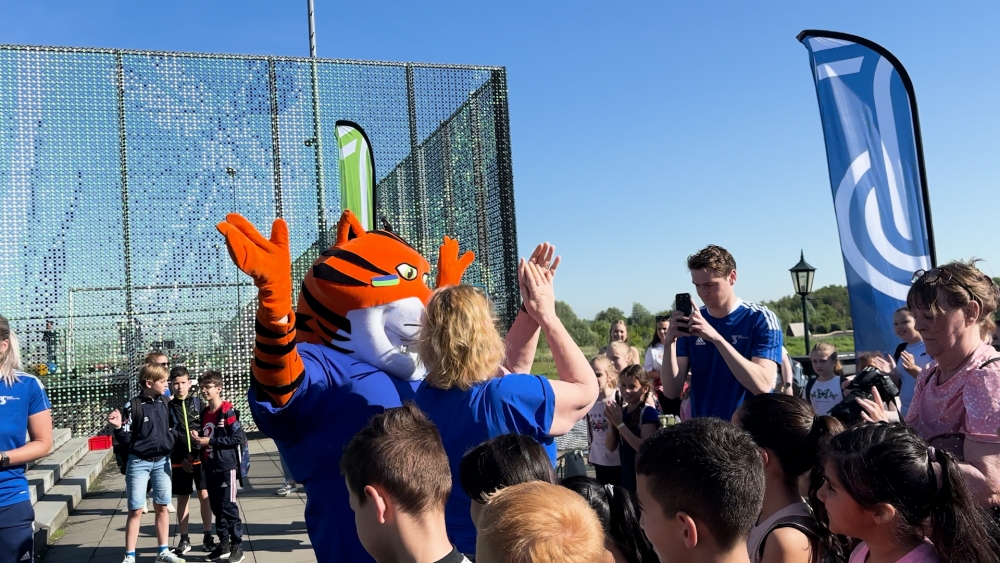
(733, 347)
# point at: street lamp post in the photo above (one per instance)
(802, 279)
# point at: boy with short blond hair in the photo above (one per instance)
(150, 440)
(701, 487)
(537, 521)
(399, 480)
(221, 439)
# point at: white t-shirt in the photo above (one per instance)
(825, 394)
(598, 427)
(654, 358)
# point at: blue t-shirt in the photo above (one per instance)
(17, 402)
(753, 331)
(512, 404)
(337, 397)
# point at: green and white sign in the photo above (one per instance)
(357, 172)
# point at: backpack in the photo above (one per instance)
(244, 450)
(121, 450)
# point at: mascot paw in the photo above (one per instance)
(267, 261)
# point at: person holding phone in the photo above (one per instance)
(731, 346)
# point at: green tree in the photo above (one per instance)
(578, 328)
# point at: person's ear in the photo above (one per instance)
(884, 513)
(764, 456)
(972, 310)
(732, 277)
(380, 503)
(689, 530)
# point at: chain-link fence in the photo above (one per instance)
(116, 165)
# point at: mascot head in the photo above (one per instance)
(364, 297)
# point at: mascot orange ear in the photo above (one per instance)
(451, 267)
(349, 227)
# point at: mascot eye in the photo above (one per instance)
(407, 272)
(427, 280)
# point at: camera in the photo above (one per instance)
(849, 410)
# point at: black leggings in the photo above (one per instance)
(608, 474)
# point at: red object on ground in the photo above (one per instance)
(100, 442)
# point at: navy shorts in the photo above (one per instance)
(17, 542)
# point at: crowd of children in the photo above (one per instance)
(707, 490)
(181, 445)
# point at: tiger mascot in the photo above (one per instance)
(320, 372)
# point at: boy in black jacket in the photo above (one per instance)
(185, 460)
(150, 440)
(221, 438)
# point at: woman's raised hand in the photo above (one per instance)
(537, 293)
(543, 256)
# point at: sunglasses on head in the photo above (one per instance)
(936, 276)
(662, 318)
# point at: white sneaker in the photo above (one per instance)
(167, 557)
(286, 489)
(128, 559)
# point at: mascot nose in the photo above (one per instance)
(385, 281)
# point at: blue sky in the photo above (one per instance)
(641, 131)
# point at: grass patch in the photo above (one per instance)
(544, 365)
(57, 535)
(797, 347)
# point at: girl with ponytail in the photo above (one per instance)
(908, 503)
(789, 435)
(618, 511)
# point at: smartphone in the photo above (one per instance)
(682, 302)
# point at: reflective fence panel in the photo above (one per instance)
(116, 165)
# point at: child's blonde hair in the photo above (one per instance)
(538, 521)
(152, 373)
(623, 347)
(827, 348)
(609, 368)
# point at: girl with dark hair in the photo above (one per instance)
(906, 501)
(619, 512)
(637, 420)
(500, 462)
(789, 434)
(654, 363)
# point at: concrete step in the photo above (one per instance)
(54, 508)
(47, 471)
(59, 437)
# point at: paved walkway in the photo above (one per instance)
(274, 527)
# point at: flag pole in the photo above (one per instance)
(316, 141)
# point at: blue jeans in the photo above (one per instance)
(139, 473)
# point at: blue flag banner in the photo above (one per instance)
(873, 150)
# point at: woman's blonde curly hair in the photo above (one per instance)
(458, 341)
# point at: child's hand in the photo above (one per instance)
(202, 441)
(115, 419)
(614, 413)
